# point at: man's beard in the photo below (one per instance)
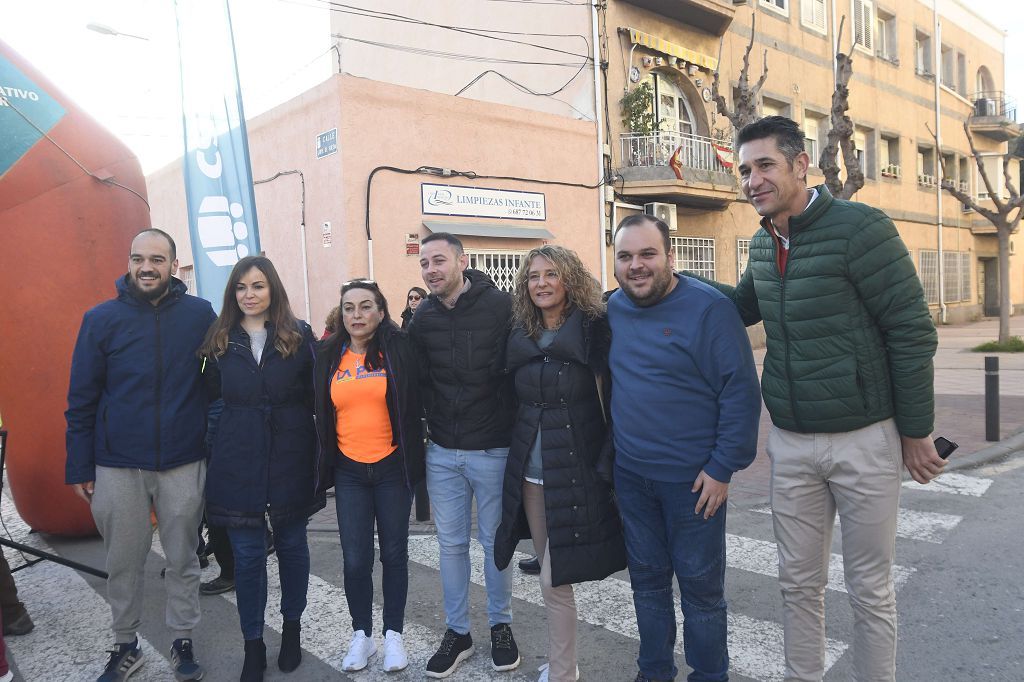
(659, 285)
(151, 294)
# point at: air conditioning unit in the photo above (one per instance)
(663, 212)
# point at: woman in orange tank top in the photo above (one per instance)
(369, 417)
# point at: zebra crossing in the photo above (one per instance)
(72, 615)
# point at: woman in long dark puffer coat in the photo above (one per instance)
(557, 479)
(265, 463)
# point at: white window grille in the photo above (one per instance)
(965, 276)
(864, 24)
(928, 271)
(500, 266)
(951, 276)
(812, 14)
(695, 254)
(187, 275)
(742, 257)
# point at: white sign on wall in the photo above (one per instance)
(482, 202)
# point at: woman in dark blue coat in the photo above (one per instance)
(265, 461)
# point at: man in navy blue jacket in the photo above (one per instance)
(136, 423)
(685, 410)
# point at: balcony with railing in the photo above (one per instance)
(679, 167)
(994, 115)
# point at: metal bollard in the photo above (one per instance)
(991, 398)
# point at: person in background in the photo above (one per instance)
(264, 463)
(559, 469)
(331, 323)
(16, 620)
(413, 299)
(367, 388)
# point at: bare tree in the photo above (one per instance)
(1003, 217)
(840, 135)
(745, 107)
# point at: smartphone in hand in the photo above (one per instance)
(945, 447)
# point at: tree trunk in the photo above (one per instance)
(1004, 283)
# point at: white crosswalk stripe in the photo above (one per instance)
(755, 646)
(910, 524)
(759, 556)
(955, 484)
(67, 643)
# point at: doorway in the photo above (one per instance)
(989, 286)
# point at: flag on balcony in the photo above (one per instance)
(675, 162)
(218, 177)
(725, 155)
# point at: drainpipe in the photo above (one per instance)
(835, 45)
(938, 156)
(599, 121)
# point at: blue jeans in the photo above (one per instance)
(665, 537)
(250, 548)
(453, 478)
(365, 493)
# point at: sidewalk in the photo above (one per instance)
(959, 404)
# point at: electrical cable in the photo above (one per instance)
(449, 55)
(105, 181)
(516, 84)
(479, 32)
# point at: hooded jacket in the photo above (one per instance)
(466, 391)
(135, 398)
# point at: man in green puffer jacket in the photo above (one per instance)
(848, 382)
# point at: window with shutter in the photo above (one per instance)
(812, 14)
(864, 24)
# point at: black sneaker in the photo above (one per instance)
(184, 662)
(504, 652)
(218, 585)
(125, 659)
(454, 649)
(530, 565)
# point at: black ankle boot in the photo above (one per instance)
(291, 651)
(255, 661)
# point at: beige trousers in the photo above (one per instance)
(813, 476)
(559, 602)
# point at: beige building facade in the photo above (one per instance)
(505, 136)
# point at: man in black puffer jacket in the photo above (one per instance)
(461, 331)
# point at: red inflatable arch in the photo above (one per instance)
(64, 240)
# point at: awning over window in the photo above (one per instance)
(487, 230)
(665, 47)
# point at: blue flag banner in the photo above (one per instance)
(218, 176)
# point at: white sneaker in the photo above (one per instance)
(8, 677)
(395, 658)
(544, 673)
(359, 651)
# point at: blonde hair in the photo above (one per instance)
(581, 289)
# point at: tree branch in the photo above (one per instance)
(979, 162)
(1014, 195)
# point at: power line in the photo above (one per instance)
(450, 55)
(479, 32)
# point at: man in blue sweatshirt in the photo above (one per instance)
(685, 411)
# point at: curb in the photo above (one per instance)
(1008, 445)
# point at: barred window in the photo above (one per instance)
(695, 254)
(965, 276)
(500, 266)
(742, 257)
(950, 276)
(928, 271)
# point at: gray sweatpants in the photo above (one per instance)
(121, 505)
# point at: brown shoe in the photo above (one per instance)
(20, 625)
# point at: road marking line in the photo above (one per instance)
(760, 556)
(755, 646)
(72, 620)
(327, 628)
(954, 484)
(910, 524)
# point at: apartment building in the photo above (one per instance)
(675, 47)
